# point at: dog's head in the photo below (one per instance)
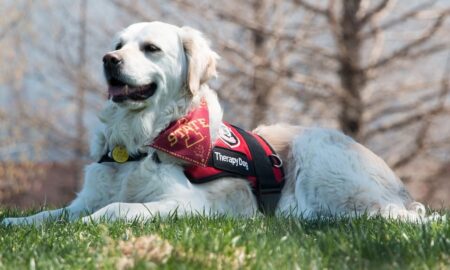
(153, 62)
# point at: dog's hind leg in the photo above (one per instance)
(336, 176)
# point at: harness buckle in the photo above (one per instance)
(276, 160)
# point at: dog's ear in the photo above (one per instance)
(201, 59)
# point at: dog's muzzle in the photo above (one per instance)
(119, 90)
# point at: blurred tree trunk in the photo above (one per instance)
(259, 85)
(15, 137)
(80, 144)
(351, 75)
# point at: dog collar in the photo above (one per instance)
(119, 154)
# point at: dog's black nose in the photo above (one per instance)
(111, 60)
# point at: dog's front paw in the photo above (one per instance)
(89, 220)
(14, 221)
(108, 213)
(97, 218)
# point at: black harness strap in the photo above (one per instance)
(268, 191)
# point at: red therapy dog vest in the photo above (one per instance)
(236, 153)
(232, 156)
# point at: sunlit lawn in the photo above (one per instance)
(225, 243)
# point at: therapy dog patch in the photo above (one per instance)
(231, 161)
(188, 138)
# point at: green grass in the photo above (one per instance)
(225, 243)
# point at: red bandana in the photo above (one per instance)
(188, 138)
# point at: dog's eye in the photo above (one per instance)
(118, 46)
(150, 48)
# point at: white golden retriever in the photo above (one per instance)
(157, 74)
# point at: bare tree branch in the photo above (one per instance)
(424, 129)
(403, 108)
(9, 27)
(417, 117)
(412, 119)
(133, 10)
(374, 11)
(400, 19)
(405, 50)
(312, 8)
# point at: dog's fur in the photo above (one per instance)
(327, 173)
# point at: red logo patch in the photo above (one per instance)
(188, 138)
(228, 137)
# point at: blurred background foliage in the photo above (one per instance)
(376, 69)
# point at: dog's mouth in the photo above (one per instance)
(120, 91)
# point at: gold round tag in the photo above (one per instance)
(120, 154)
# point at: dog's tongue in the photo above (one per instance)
(122, 92)
(114, 90)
